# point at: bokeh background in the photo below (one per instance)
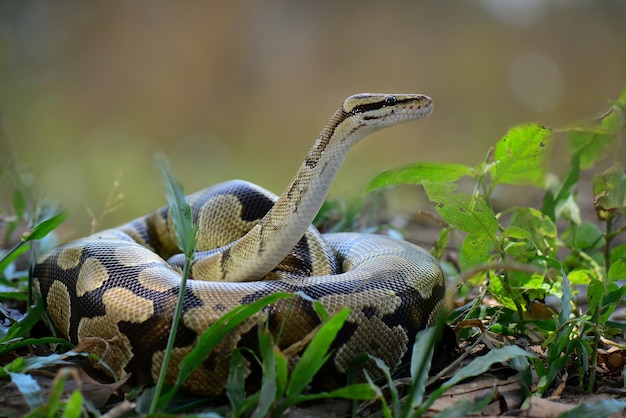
(90, 91)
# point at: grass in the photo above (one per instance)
(517, 257)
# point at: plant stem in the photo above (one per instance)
(172, 337)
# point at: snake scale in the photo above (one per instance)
(251, 243)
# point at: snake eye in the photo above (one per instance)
(390, 100)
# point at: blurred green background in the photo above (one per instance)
(90, 91)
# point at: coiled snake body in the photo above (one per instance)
(250, 243)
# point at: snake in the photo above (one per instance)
(121, 284)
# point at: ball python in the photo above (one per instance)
(251, 243)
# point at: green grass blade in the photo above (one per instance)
(179, 208)
(314, 355)
(214, 335)
(26, 364)
(598, 409)
(74, 405)
(22, 327)
(357, 392)
(235, 385)
(44, 227)
(186, 236)
(465, 407)
(478, 366)
(268, 391)
(421, 358)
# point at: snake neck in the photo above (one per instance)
(284, 225)
(268, 243)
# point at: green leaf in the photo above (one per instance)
(268, 382)
(43, 228)
(521, 156)
(518, 243)
(73, 406)
(235, 385)
(586, 236)
(22, 327)
(19, 204)
(462, 211)
(315, 355)
(216, 333)
(357, 392)
(559, 197)
(179, 208)
(418, 173)
(475, 250)
(541, 228)
(481, 364)
(421, 359)
(617, 271)
(581, 276)
(478, 366)
(609, 189)
(597, 409)
(465, 407)
(26, 364)
(10, 256)
(592, 141)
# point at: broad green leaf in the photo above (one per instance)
(581, 276)
(586, 236)
(500, 293)
(475, 250)
(595, 297)
(418, 173)
(618, 252)
(609, 189)
(315, 355)
(617, 271)
(518, 243)
(614, 296)
(559, 199)
(541, 228)
(521, 156)
(462, 211)
(592, 141)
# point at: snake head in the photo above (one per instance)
(382, 110)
